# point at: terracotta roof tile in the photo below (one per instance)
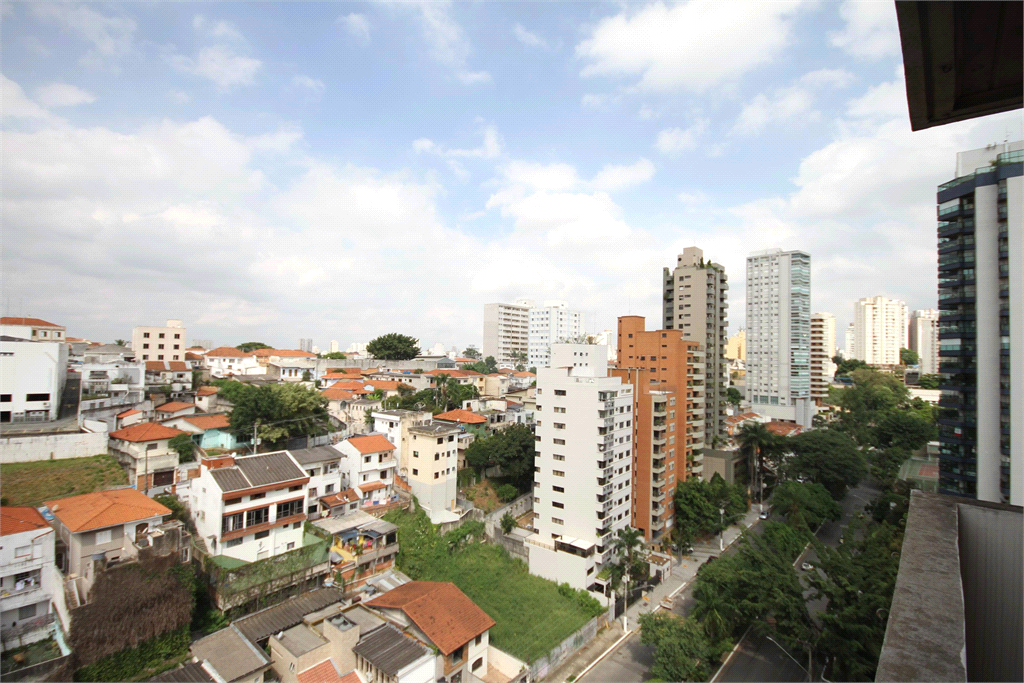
(440, 610)
(335, 394)
(524, 373)
(166, 366)
(340, 498)
(105, 508)
(371, 443)
(324, 672)
(14, 520)
(783, 428)
(282, 353)
(29, 322)
(189, 355)
(174, 406)
(372, 486)
(207, 391)
(350, 385)
(205, 422)
(147, 431)
(459, 415)
(228, 352)
(385, 385)
(129, 413)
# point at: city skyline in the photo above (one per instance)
(181, 161)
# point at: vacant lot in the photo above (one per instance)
(532, 614)
(32, 483)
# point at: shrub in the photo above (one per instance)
(507, 492)
(508, 522)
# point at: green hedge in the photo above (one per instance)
(129, 663)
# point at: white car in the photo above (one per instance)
(763, 515)
(807, 566)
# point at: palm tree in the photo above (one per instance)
(755, 438)
(627, 547)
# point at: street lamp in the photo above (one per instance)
(721, 529)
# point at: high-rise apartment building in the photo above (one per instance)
(879, 330)
(667, 374)
(849, 341)
(736, 346)
(981, 325)
(306, 345)
(696, 304)
(823, 348)
(507, 332)
(159, 343)
(924, 339)
(582, 492)
(550, 324)
(778, 380)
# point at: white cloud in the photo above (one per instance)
(691, 46)
(223, 29)
(443, 34)
(220, 64)
(594, 101)
(612, 178)
(16, 105)
(871, 29)
(885, 100)
(179, 96)
(423, 144)
(527, 38)
(672, 141)
(473, 77)
(308, 82)
(693, 199)
(63, 95)
(357, 26)
(540, 176)
(647, 114)
(111, 36)
(490, 148)
(784, 105)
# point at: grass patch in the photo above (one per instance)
(33, 483)
(533, 614)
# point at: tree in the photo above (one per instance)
(507, 492)
(805, 505)
(929, 381)
(334, 355)
(909, 357)
(120, 342)
(844, 366)
(185, 447)
(252, 346)
(680, 648)
(519, 358)
(733, 396)
(512, 449)
(628, 548)
(755, 438)
(471, 352)
(394, 346)
(277, 411)
(508, 522)
(885, 464)
(827, 457)
(491, 364)
(904, 429)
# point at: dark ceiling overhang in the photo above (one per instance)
(961, 59)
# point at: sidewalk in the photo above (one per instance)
(681, 575)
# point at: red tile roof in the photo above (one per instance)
(227, 352)
(372, 486)
(335, 394)
(524, 373)
(343, 375)
(30, 322)
(351, 385)
(147, 431)
(340, 498)
(14, 520)
(104, 508)
(450, 373)
(384, 384)
(460, 415)
(282, 353)
(324, 672)
(174, 406)
(783, 428)
(166, 366)
(440, 610)
(205, 422)
(129, 413)
(207, 391)
(736, 419)
(193, 356)
(371, 443)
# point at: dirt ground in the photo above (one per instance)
(526, 521)
(483, 496)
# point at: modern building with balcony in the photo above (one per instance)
(823, 348)
(879, 330)
(669, 419)
(696, 303)
(583, 468)
(551, 323)
(29, 580)
(981, 325)
(159, 343)
(924, 339)
(370, 464)
(507, 332)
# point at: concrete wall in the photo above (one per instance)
(52, 446)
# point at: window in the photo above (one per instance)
(5, 398)
(556, 520)
(26, 612)
(329, 488)
(297, 487)
(177, 336)
(559, 442)
(559, 409)
(559, 425)
(367, 459)
(559, 392)
(151, 446)
(559, 473)
(262, 534)
(23, 551)
(558, 489)
(233, 543)
(231, 523)
(37, 397)
(437, 456)
(479, 660)
(415, 472)
(161, 335)
(312, 492)
(297, 525)
(259, 516)
(559, 458)
(290, 546)
(159, 346)
(145, 346)
(165, 478)
(257, 496)
(292, 507)
(145, 335)
(104, 536)
(558, 505)
(160, 357)
(415, 454)
(436, 475)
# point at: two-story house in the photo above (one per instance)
(95, 529)
(209, 400)
(227, 361)
(174, 373)
(29, 579)
(395, 424)
(250, 507)
(323, 466)
(208, 431)
(371, 464)
(172, 409)
(441, 615)
(143, 450)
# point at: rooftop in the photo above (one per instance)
(460, 415)
(15, 520)
(104, 509)
(300, 639)
(265, 623)
(204, 422)
(317, 454)
(146, 431)
(193, 672)
(435, 428)
(251, 471)
(230, 653)
(371, 443)
(31, 322)
(389, 649)
(227, 352)
(174, 406)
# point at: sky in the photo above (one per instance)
(275, 171)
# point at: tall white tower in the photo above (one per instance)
(924, 339)
(879, 330)
(549, 324)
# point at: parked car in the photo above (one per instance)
(764, 515)
(807, 566)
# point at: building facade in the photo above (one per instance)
(981, 326)
(696, 303)
(506, 332)
(879, 330)
(549, 324)
(924, 339)
(736, 346)
(823, 348)
(159, 343)
(778, 378)
(29, 580)
(583, 469)
(33, 329)
(32, 378)
(667, 373)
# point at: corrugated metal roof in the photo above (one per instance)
(229, 479)
(389, 649)
(230, 654)
(269, 468)
(309, 456)
(260, 626)
(193, 672)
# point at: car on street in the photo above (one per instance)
(807, 566)
(763, 515)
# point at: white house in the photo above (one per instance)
(371, 464)
(29, 579)
(32, 377)
(144, 451)
(250, 507)
(323, 466)
(227, 361)
(123, 380)
(176, 373)
(32, 329)
(394, 425)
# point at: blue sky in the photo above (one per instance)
(270, 171)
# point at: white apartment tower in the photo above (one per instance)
(696, 303)
(582, 476)
(924, 339)
(550, 324)
(159, 343)
(849, 340)
(879, 330)
(823, 347)
(507, 332)
(778, 380)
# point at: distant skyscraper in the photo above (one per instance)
(924, 339)
(981, 326)
(159, 343)
(306, 345)
(778, 380)
(550, 324)
(696, 303)
(879, 330)
(204, 343)
(736, 347)
(334, 346)
(849, 342)
(506, 332)
(823, 348)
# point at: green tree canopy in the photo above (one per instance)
(120, 342)
(929, 381)
(844, 366)
(827, 457)
(281, 410)
(185, 447)
(512, 449)
(733, 396)
(680, 647)
(394, 346)
(334, 355)
(904, 429)
(805, 505)
(471, 352)
(252, 346)
(698, 503)
(908, 357)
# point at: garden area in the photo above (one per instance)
(532, 614)
(33, 483)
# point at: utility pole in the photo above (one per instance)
(255, 426)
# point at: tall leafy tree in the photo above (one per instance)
(756, 440)
(252, 346)
(904, 429)
(394, 346)
(827, 457)
(471, 352)
(276, 411)
(909, 357)
(680, 648)
(805, 505)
